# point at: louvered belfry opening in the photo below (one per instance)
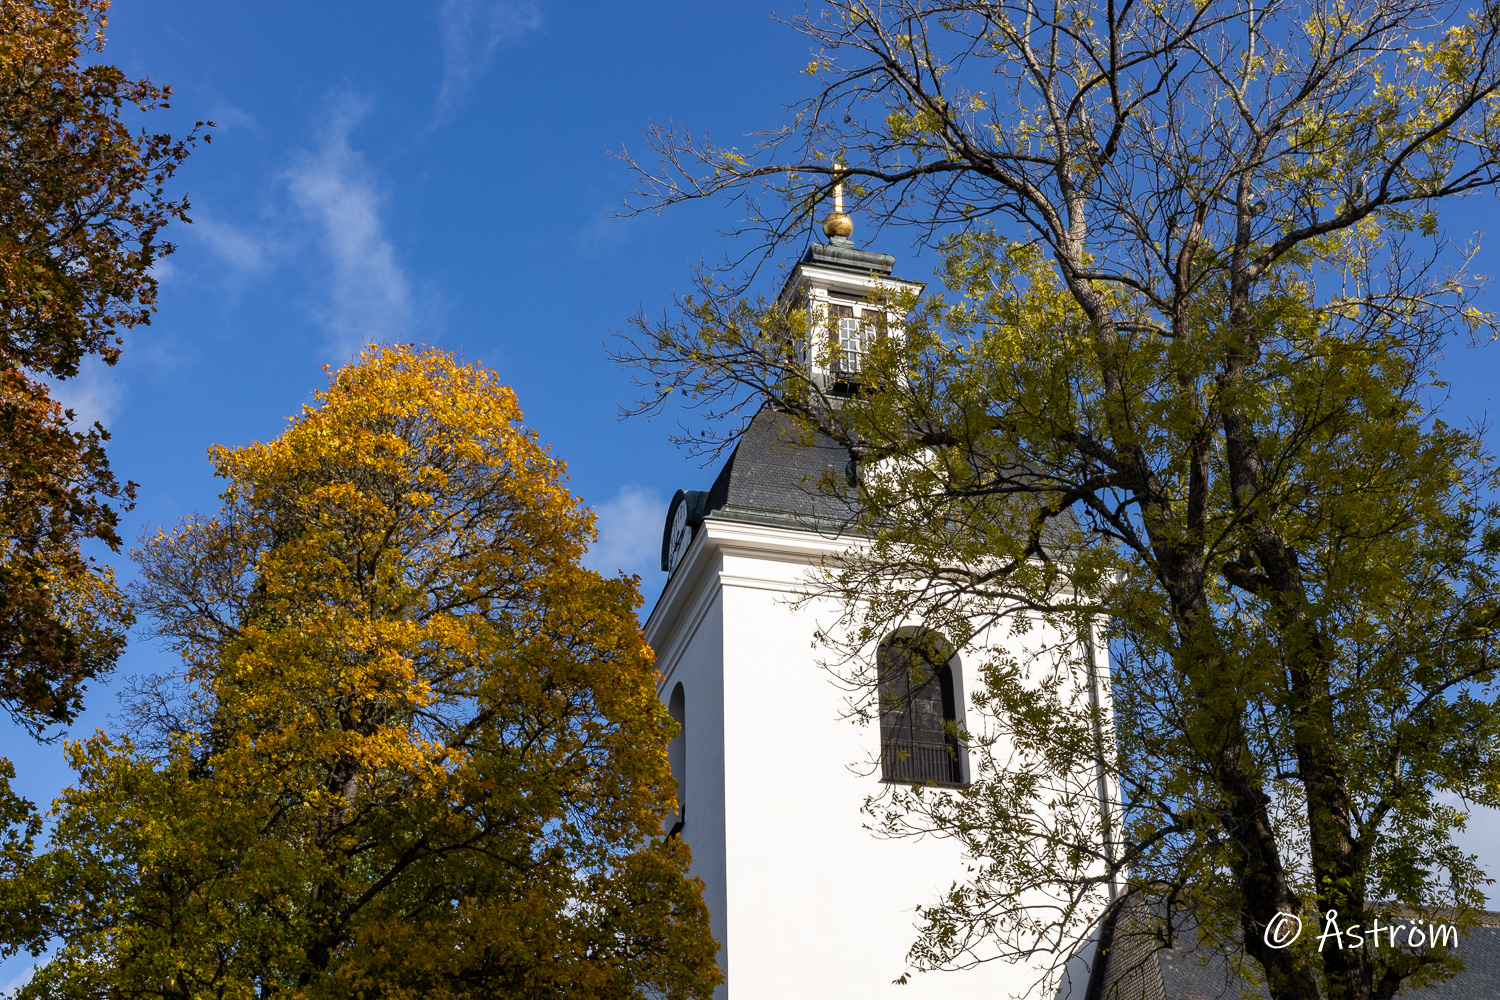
(918, 712)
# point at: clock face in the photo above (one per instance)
(680, 537)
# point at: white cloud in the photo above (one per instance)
(226, 117)
(630, 528)
(599, 235)
(369, 296)
(244, 252)
(471, 31)
(163, 270)
(94, 394)
(18, 972)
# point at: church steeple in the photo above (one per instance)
(804, 899)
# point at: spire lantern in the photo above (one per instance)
(850, 299)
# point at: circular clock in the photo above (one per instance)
(682, 517)
(681, 535)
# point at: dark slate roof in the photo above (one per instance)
(777, 475)
(784, 475)
(1126, 965)
(1132, 967)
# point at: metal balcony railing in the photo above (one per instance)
(907, 760)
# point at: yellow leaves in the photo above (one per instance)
(401, 686)
(1452, 59)
(916, 127)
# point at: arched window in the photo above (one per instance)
(677, 755)
(919, 710)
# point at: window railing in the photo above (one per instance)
(907, 760)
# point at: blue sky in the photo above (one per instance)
(434, 172)
(427, 172)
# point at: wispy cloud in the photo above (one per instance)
(630, 528)
(471, 31)
(369, 295)
(227, 117)
(244, 252)
(94, 394)
(163, 270)
(603, 233)
(18, 972)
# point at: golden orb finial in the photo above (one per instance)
(838, 224)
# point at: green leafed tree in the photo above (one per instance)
(1199, 262)
(415, 749)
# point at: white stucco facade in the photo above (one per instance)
(805, 900)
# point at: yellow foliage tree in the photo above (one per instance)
(415, 749)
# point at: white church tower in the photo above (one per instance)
(806, 902)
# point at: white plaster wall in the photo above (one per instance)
(693, 654)
(806, 901)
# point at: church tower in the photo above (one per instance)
(805, 900)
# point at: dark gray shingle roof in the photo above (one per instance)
(776, 475)
(784, 475)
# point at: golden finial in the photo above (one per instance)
(838, 225)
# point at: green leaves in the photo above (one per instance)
(1180, 392)
(415, 748)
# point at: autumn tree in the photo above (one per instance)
(415, 748)
(82, 206)
(1179, 388)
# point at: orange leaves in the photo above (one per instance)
(82, 206)
(61, 618)
(83, 203)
